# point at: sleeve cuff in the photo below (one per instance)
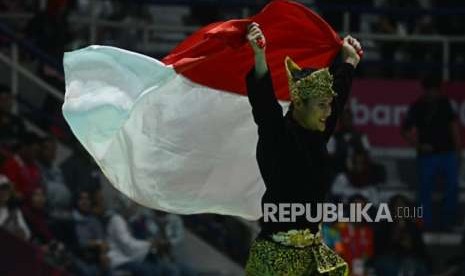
(347, 66)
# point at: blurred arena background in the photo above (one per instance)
(62, 211)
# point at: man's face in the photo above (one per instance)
(315, 113)
(38, 199)
(84, 203)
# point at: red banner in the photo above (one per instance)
(379, 107)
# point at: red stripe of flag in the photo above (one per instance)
(219, 56)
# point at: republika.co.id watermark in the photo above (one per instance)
(331, 212)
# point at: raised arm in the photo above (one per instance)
(266, 110)
(351, 50)
(258, 43)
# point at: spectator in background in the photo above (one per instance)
(22, 168)
(168, 231)
(392, 23)
(345, 142)
(332, 237)
(360, 179)
(11, 218)
(80, 171)
(357, 240)
(399, 245)
(91, 246)
(36, 217)
(99, 208)
(437, 142)
(57, 193)
(11, 126)
(169, 228)
(128, 253)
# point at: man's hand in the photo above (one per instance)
(256, 38)
(257, 42)
(351, 50)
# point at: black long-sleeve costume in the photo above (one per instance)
(293, 161)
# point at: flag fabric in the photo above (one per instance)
(178, 134)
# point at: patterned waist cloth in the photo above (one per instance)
(297, 238)
(294, 253)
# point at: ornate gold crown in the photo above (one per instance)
(317, 84)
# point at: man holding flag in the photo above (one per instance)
(293, 159)
(178, 135)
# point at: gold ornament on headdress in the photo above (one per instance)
(316, 85)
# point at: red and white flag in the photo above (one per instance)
(178, 134)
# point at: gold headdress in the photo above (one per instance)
(317, 84)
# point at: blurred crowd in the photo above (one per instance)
(60, 212)
(404, 18)
(398, 248)
(51, 31)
